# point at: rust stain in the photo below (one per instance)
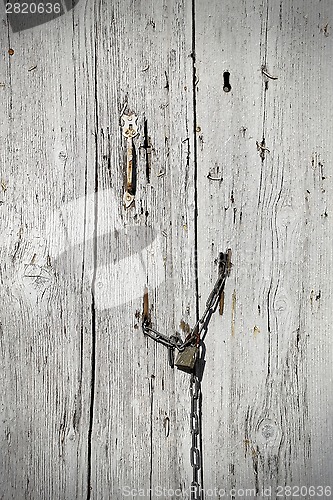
(247, 444)
(145, 315)
(233, 313)
(221, 304)
(185, 327)
(11, 52)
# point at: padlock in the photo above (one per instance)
(186, 359)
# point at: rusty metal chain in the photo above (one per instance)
(195, 453)
(174, 342)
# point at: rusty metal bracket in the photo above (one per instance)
(130, 130)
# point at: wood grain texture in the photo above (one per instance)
(47, 122)
(89, 407)
(111, 413)
(265, 380)
(140, 411)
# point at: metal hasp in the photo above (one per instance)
(188, 350)
(130, 130)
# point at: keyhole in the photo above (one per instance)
(226, 83)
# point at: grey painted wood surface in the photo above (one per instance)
(89, 406)
(270, 355)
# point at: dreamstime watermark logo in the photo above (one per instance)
(126, 255)
(23, 15)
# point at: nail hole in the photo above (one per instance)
(226, 83)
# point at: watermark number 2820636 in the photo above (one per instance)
(33, 8)
(27, 14)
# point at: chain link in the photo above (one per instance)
(174, 342)
(195, 455)
(214, 295)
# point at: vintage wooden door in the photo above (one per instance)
(234, 105)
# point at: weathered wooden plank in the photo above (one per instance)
(303, 233)
(47, 153)
(90, 406)
(87, 260)
(265, 360)
(141, 407)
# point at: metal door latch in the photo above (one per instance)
(189, 349)
(130, 130)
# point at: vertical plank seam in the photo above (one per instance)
(264, 90)
(195, 163)
(10, 72)
(265, 65)
(93, 286)
(195, 175)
